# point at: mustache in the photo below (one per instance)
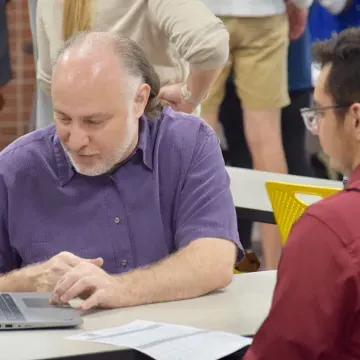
(81, 152)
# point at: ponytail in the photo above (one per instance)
(76, 17)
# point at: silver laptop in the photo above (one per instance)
(33, 310)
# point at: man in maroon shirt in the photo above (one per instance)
(316, 306)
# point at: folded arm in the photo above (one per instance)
(198, 36)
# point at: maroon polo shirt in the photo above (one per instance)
(315, 312)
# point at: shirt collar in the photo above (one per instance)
(146, 141)
(145, 145)
(65, 169)
(354, 180)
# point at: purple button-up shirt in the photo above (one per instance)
(172, 190)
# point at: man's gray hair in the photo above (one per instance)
(131, 56)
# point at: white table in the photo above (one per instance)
(250, 196)
(240, 309)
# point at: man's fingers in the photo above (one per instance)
(90, 302)
(161, 94)
(98, 261)
(73, 260)
(65, 283)
(78, 288)
(69, 258)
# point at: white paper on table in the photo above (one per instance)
(168, 342)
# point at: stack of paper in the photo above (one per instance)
(168, 342)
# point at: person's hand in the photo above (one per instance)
(172, 94)
(45, 276)
(94, 285)
(297, 20)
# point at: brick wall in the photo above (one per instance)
(18, 94)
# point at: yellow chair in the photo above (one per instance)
(287, 206)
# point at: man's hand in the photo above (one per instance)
(172, 94)
(92, 283)
(45, 276)
(297, 20)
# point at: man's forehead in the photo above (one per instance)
(90, 63)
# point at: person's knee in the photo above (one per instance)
(263, 127)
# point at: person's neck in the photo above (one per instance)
(128, 153)
(131, 148)
(355, 165)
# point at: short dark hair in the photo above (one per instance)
(133, 58)
(342, 52)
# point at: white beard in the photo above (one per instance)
(105, 165)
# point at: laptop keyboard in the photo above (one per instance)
(9, 308)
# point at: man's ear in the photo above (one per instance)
(354, 113)
(141, 99)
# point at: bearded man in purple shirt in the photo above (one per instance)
(121, 202)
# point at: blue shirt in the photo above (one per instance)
(323, 24)
(350, 17)
(172, 190)
(299, 63)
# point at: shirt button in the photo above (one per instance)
(116, 220)
(123, 263)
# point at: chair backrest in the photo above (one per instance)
(287, 206)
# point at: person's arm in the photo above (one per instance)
(198, 36)
(205, 231)
(203, 266)
(315, 299)
(206, 240)
(335, 7)
(42, 276)
(297, 12)
(302, 4)
(9, 280)
(17, 281)
(44, 64)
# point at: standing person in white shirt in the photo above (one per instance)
(259, 36)
(187, 45)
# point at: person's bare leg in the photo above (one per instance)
(263, 135)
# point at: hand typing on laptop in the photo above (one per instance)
(44, 276)
(118, 178)
(98, 288)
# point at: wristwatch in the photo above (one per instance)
(188, 96)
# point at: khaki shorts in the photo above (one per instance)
(258, 56)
